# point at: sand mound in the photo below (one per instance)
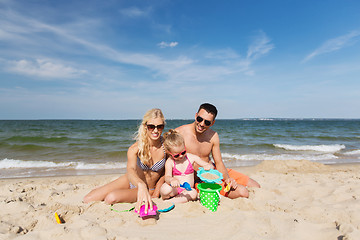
(282, 166)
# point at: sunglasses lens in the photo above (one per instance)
(150, 127)
(200, 119)
(178, 155)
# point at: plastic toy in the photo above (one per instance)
(202, 175)
(149, 213)
(227, 188)
(167, 209)
(128, 210)
(57, 218)
(186, 185)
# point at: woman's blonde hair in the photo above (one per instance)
(172, 139)
(141, 135)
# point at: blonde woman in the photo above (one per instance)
(145, 167)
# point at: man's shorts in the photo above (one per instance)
(238, 177)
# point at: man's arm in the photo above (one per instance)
(215, 150)
(220, 166)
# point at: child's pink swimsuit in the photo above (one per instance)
(188, 170)
(176, 172)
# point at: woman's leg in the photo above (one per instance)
(100, 193)
(121, 195)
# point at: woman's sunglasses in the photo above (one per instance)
(200, 119)
(151, 127)
(178, 155)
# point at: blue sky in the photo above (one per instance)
(116, 59)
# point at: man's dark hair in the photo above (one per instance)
(209, 108)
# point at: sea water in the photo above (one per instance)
(30, 148)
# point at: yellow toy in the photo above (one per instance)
(227, 188)
(58, 220)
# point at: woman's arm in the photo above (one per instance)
(143, 196)
(160, 182)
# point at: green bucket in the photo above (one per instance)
(209, 195)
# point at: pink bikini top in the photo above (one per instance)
(189, 169)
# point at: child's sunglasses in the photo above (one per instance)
(200, 119)
(151, 127)
(178, 155)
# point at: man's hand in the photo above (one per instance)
(232, 182)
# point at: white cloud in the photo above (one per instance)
(134, 12)
(334, 44)
(166, 44)
(44, 68)
(260, 46)
(222, 54)
(181, 68)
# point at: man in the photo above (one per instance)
(201, 140)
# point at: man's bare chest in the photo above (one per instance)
(199, 148)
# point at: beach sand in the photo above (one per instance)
(298, 200)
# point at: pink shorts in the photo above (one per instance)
(180, 190)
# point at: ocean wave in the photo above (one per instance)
(37, 139)
(317, 148)
(13, 163)
(353, 152)
(261, 157)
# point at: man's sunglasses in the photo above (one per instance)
(178, 155)
(151, 127)
(200, 119)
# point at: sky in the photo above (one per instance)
(117, 59)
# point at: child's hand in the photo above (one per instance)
(208, 166)
(174, 182)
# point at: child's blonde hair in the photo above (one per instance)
(172, 139)
(141, 135)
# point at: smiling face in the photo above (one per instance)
(154, 127)
(203, 121)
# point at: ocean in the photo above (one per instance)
(37, 148)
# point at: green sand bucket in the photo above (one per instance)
(209, 195)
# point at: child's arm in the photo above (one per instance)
(169, 179)
(206, 165)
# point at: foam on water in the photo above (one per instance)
(261, 157)
(352, 152)
(317, 148)
(12, 163)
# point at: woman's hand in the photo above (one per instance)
(143, 198)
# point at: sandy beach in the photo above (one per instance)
(298, 200)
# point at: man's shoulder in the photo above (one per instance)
(192, 157)
(184, 128)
